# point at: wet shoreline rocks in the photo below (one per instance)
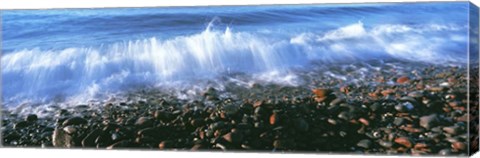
(390, 111)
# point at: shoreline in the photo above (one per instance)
(413, 111)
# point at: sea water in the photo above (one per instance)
(66, 53)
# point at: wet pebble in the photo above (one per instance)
(365, 143)
(31, 118)
(74, 121)
(404, 141)
(429, 121)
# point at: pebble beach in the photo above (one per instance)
(375, 107)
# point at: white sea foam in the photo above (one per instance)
(45, 74)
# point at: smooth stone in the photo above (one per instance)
(404, 107)
(274, 119)
(429, 121)
(31, 118)
(420, 146)
(280, 144)
(89, 140)
(365, 143)
(408, 99)
(404, 141)
(199, 122)
(321, 92)
(459, 146)
(452, 139)
(166, 144)
(60, 138)
(233, 137)
(445, 152)
(121, 144)
(451, 130)
(398, 121)
(217, 125)
(197, 147)
(385, 144)
(332, 121)
(364, 121)
(21, 124)
(336, 101)
(70, 129)
(437, 129)
(301, 125)
(402, 80)
(344, 115)
(375, 106)
(74, 121)
(144, 122)
(416, 94)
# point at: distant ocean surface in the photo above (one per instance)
(47, 53)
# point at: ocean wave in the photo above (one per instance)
(47, 74)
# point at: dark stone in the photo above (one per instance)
(233, 137)
(150, 132)
(375, 107)
(280, 144)
(89, 140)
(31, 118)
(122, 144)
(197, 122)
(166, 144)
(74, 121)
(21, 124)
(301, 125)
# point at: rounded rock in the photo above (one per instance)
(74, 121)
(365, 143)
(404, 141)
(31, 118)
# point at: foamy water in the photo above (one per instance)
(108, 52)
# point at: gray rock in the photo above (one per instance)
(429, 121)
(452, 130)
(398, 121)
(144, 122)
(62, 139)
(385, 144)
(365, 143)
(445, 152)
(416, 94)
(344, 115)
(70, 129)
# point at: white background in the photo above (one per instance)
(81, 153)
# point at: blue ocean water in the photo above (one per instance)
(46, 53)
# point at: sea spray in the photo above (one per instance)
(89, 54)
